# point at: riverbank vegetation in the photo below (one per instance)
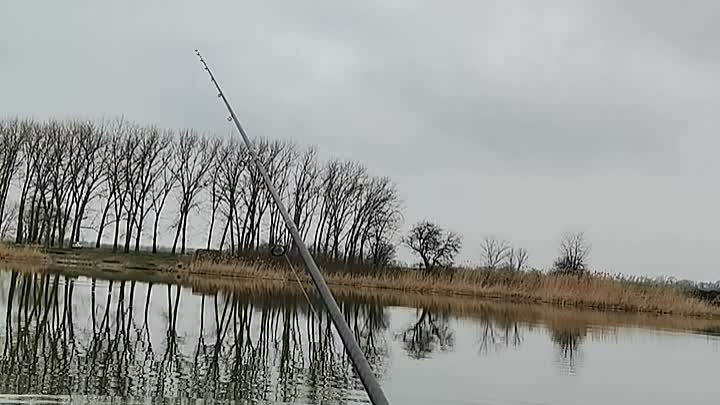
(599, 291)
(25, 254)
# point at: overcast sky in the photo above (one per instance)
(520, 119)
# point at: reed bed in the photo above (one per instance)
(25, 254)
(588, 291)
(285, 291)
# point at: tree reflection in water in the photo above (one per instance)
(568, 339)
(141, 340)
(428, 333)
(241, 347)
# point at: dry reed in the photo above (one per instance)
(530, 287)
(463, 307)
(25, 254)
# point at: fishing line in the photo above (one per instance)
(302, 288)
(282, 251)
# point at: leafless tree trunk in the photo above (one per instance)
(305, 190)
(11, 141)
(516, 258)
(376, 203)
(233, 162)
(91, 150)
(494, 251)
(131, 179)
(32, 150)
(151, 165)
(162, 187)
(283, 156)
(436, 247)
(63, 141)
(255, 197)
(121, 149)
(574, 252)
(214, 174)
(194, 156)
(12, 138)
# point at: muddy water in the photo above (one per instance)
(82, 340)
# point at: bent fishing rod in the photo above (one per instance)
(362, 367)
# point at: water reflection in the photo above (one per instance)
(428, 333)
(139, 342)
(496, 335)
(568, 339)
(123, 338)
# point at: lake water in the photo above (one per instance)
(80, 340)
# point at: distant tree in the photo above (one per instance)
(436, 247)
(494, 252)
(516, 258)
(574, 252)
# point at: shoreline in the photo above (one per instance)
(463, 284)
(558, 290)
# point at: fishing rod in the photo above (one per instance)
(362, 367)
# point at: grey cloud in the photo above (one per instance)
(510, 98)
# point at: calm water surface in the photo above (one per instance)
(87, 341)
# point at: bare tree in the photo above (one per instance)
(516, 258)
(436, 247)
(12, 138)
(133, 168)
(92, 140)
(194, 156)
(7, 221)
(39, 157)
(342, 186)
(152, 163)
(232, 164)
(282, 160)
(574, 252)
(305, 190)
(119, 175)
(376, 211)
(162, 186)
(494, 251)
(63, 170)
(381, 229)
(75, 175)
(29, 153)
(382, 251)
(215, 195)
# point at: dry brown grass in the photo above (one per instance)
(275, 290)
(528, 287)
(25, 254)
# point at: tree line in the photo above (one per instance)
(437, 249)
(123, 181)
(116, 178)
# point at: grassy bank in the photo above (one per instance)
(531, 287)
(25, 254)
(287, 292)
(589, 291)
